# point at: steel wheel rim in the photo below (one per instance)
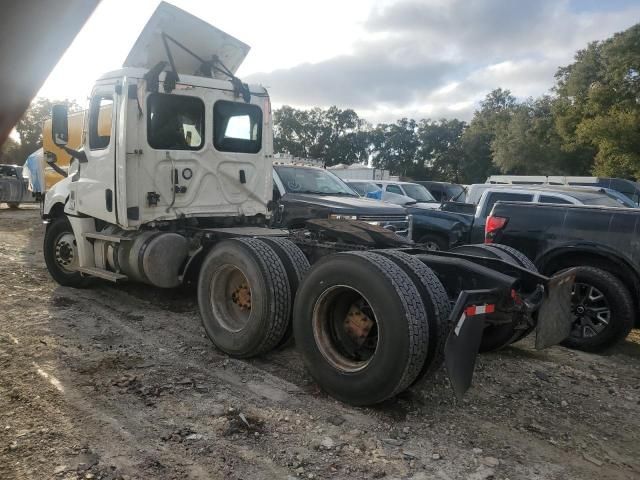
(66, 252)
(230, 297)
(591, 310)
(345, 328)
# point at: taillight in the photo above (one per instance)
(492, 227)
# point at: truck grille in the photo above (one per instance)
(396, 223)
(383, 218)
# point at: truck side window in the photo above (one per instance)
(100, 122)
(552, 199)
(175, 122)
(394, 189)
(494, 197)
(237, 127)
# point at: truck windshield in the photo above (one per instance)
(602, 200)
(418, 192)
(363, 188)
(312, 180)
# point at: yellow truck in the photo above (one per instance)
(56, 161)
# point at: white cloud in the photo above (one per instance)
(385, 58)
(436, 58)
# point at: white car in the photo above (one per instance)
(417, 193)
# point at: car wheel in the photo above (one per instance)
(603, 312)
(433, 242)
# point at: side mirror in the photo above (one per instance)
(60, 125)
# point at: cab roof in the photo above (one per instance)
(186, 80)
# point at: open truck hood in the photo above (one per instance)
(204, 40)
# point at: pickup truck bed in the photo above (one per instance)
(603, 242)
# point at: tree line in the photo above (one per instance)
(588, 124)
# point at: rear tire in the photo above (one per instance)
(361, 327)
(13, 206)
(499, 336)
(517, 255)
(244, 297)
(296, 265)
(436, 302)
(615, 298)
(61, 254)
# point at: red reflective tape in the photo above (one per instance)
(479, 309)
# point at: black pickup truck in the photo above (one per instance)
(602, 242)
(303, 193)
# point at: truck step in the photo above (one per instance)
(106, 237)
(101, 273)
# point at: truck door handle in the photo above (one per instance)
(108, 198)
(243, 178)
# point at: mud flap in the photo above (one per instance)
(460, 352)
(554, 316)
(463, 342)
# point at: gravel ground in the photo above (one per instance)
(119, 382)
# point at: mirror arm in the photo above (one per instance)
(80, 156)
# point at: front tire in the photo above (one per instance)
(13, 205)
(61, 254)
(433, 242)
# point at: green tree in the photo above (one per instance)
(10, 152)
(29, 127)
(598, 107)
(493, 116)
(440, 149)
(529, 144)
(395, 147)
(333, 135)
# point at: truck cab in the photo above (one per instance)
(155, 155)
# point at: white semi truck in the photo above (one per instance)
(179, 188)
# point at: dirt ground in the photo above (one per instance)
(119, 382)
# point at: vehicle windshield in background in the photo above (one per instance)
(455, 193)
(621, 199)
(418, 192)
(364, 188)
(602, 200)
(312, 180)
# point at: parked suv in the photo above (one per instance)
(576, 195)
(443, 191)
(303, 193)
(416, 192)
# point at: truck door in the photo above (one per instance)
(95, 187)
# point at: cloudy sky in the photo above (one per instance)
(384, 58)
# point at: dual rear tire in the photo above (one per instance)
(367, 324)
(370, 324)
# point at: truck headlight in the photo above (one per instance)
(338, 216)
